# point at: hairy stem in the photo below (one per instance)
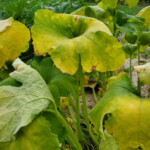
(72, 136)
(94, 94)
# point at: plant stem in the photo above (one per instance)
(80, 134)
(139, 82)
(73, 137)
(72, 103)
(94, 94)
(84, 106)
(71, 114)
(102, 78)
(130, 68)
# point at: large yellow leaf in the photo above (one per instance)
(70, 37)
(14, 38)
(123, 115)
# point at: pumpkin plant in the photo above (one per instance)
(111, 117)
(76, 43)
(131, 52)
(118, 22)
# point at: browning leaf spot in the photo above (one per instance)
(93, 68)
(76, 18)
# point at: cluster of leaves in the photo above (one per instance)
(36, 96)
(23, 10)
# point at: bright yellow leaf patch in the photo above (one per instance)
(14, 38)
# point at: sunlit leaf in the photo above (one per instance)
(36, 136)
(110, 3)
(20, 105)
(143, 73)
(145, 13)
(123, 115)
(68, 37)
(14, 38)
(131, 3)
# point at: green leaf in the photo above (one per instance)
(123, 115)
(131, 3)
(145, 13)
(14, 38)
(109, 143)
(67, 38)
(143, 73)
(110, 3)
(94, 12)
(36, 136)
(128, 23)
(130, 50)
(56, 126)
(20, 105)
(60, 84)
(144, 38)
(131, 38)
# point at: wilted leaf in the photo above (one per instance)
(66, 37)
(145, 13)
(123, 115)
(36, 136)
(20, 105)
(143, 73)
(14, 38)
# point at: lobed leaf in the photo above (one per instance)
(20, 105)
(67, 38)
